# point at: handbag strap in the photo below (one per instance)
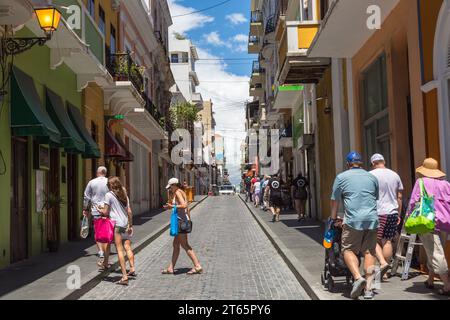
(124, 208)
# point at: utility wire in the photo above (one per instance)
(202, 10)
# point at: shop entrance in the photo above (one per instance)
(72, 196)
(19, 200)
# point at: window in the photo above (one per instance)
(375, 110)
(91, 8)
(102, 19)
(174, 57)
(113, 45)
(306, 11)
(324, 6)
(185, 57)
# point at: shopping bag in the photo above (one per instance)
(423, 219)
(84, 232)
(104, 230)
(174, 222)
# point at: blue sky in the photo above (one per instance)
(225, 32)
(218, 33)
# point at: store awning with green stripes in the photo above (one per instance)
(70, 139)
(28, 117)
(92, 150)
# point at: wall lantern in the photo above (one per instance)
(48, 18)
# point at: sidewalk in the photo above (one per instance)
(44, 277)
(301, 246)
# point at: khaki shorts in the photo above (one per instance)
(359, 241)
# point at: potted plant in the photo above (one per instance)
(51, 205)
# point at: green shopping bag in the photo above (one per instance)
(423, 219)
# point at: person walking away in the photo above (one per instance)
(257, 192)
(300, 195)
(117, 207)
(433, 243)
(94, 194)
(248, 187)
(389, 206)
(265, 193)
(181, 240)
(275, 197)
(359, 191)
(261, 192)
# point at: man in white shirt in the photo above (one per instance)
(389, 206)
(94, 197)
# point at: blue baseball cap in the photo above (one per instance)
(354, 157)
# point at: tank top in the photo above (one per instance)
(182, 213)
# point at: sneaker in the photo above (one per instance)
(358, 287)
(100, 254)
(369, 295)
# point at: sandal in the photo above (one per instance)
(104, 268)
(166, 271)
(195, 271)
(132, 274)
(443, 292)
(122, 282)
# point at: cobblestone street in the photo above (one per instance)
(238, 259)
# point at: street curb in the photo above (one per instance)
(98, 277)
(304, 277)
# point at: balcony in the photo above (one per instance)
(257, 91)
(286, 140)
(254, 44)
(258, 73)
(197, 99)
(122, 68)
(296, 66)
(81, 49)
(149, 121)
(256, 23)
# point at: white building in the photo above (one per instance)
(183, 56)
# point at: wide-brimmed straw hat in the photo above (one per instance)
(430, 169)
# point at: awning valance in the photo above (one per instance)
(129, 156)
(70, 139)
(113, 149)
(92, 150)
(28, 117)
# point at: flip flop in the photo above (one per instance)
(384, 270)
(165, 271)
(122, 282)
(132, 274)
(195, 271)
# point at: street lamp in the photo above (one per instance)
(48, 19)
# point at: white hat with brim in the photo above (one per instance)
(430, 169)
(171, 182)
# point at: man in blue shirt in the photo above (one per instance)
(359, 191)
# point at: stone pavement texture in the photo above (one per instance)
(302, 244)
(238, 259)
(44, 277)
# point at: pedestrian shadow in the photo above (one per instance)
(310, 228)
(181, 271)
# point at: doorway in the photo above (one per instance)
(72, 196)
(53, 187)
(19, 200)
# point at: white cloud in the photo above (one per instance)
(228, 91)
(240, 38)
(214, 39)
(189, 22)
(236, 18)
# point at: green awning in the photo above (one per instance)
(28, 117)
(92, 150)
(70, 139)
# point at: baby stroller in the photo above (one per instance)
(335, 266)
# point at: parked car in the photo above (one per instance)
(227, 190)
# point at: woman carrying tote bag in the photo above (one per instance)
(432, 187)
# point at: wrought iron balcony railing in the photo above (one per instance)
(153, 110)
(253, 40)
(256, 68)
(122, 67)
(256, 16)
